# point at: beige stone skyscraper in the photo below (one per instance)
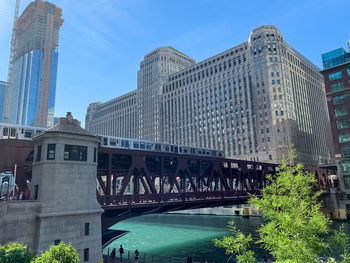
(151, 77)
(254, 101)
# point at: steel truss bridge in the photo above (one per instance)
(132, 182)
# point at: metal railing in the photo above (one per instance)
(106, 200)
(129, 257)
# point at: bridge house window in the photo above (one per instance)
(51, 150)
(36, 191)
(75, 153)
(87, 229)
(86, 254)
(38, 154)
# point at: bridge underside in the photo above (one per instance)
(135, 205)
(132, 183)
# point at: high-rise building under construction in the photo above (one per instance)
(30, 98)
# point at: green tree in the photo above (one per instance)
(15, 253)
(295, 223)
(295, 226)
(237, 244)
(60, 253)
(339, 245)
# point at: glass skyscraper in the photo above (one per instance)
(336, 72)
(335, 57)
(2, 97)
(31, 93)
(25, 92)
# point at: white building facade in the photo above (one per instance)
(254, 101)
(151, 77)
(117, 117)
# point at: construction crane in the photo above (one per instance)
(12, 54)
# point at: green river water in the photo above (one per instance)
(176, 235)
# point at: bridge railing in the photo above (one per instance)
(129, 257)
(172, 197)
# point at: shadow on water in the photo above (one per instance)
(176, 235)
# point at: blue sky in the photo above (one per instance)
(103, 41)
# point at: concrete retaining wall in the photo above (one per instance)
(18, 222)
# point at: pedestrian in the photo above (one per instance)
(190, 259)
(114, 252)
(121, 252)
(265, 259)
(136, 256)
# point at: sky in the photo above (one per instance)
(102, 42)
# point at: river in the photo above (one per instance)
(176, 235)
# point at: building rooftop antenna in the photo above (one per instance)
(12, 53)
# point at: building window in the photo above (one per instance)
(270, 157)
(51, 149)
(348, 70)
(95, 153)
(334, 76)
(38, 154)
(346, 183)
(75, 153)
(87, 229)
(344, 137)
(340, 111)
(338, 99)
(345, 151)
(56, 242)
(343, 124)
(345, 165)
(86, 254)
(337, 87)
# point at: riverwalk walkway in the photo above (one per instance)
(129, 257)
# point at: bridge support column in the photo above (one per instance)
(64, 181)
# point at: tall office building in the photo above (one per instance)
(254, 101)
(2, 98)
(151, 77)
(336, 72)
(117, 117)
(30, 98)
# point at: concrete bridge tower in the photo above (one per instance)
(64, 181)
